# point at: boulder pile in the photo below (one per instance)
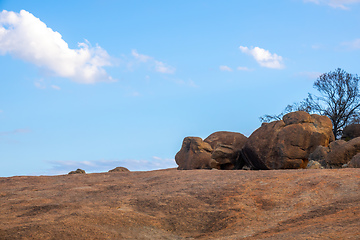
(350, 132)
(339, 154)
(287, 143)
(299, 140)
(220, 150)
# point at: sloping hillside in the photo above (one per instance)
(193, 204)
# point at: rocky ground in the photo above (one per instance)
(189, 204)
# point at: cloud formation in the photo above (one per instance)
(225, 68)
(264, 57)
(309, 75)
(40, 84)
(244, 69)
(353, 45)
(342, 4)
(26, 37)
(55, 87)
(157, 66)
(140, 57)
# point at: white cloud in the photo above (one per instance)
(244, 69)
(316, 46)
(55, 87)
(342, 4)
(134, 94)
(309, 75)
(156, 65)
(264, 57)
(39, 84)
(352, 44)
(140, 57)
(185, 83)
(163, 68)
(26, 37)
(225, 68)
(191, 83)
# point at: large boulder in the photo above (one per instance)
(342, 152)
(220, 150)
(77, 171)
(119, 169)
(194, 154)
(319, 154)
(236, 140)
(287, 143)
(355, 161)
(227, 157)
(339, 154)
(227, 149)
(350, 132)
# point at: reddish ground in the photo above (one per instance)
(193, 204)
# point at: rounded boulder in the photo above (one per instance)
(287, 143)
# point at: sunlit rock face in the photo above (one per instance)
(287, 143)
(220, 150)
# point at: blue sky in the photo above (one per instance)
(98, 84)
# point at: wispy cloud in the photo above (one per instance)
(342, 4)
(264, 57)
(156, 65)
(140, 57)
(134, 94)
(316, 46)
(26, 37)
(185, 83)
(163, 68)
(309, 75)
(225, 68)
(55, 87)
(353, 45)
(16, 131)
(40, 84)
(155, 163)
(245, 69)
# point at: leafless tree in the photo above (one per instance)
(339, 100)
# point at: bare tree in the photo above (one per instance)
(339, 100)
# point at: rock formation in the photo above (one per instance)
(319, 154)
(287, 143)
(227, 149)
(355, 161)
(299, 140)
(314, 165)
(350, 132)
(119, 169)
(340, 153)
(221, 150)
(234, 139)
(77, 171)
(194, 154)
